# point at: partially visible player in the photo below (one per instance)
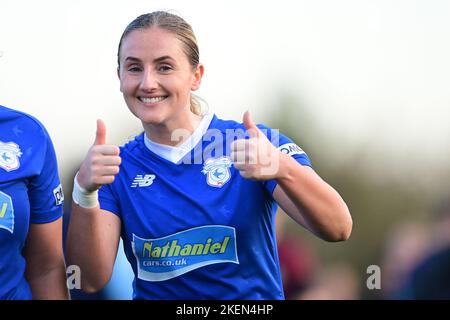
(31, 257)
(195, 197)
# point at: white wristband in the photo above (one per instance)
(82, 197)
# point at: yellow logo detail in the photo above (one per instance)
(3, 211)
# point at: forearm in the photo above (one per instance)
(93, 235)
(49, 283)
(89, 247)
(318, 205)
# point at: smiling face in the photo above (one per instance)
(156, 78)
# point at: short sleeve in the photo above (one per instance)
(45, 191)
(287, 146)
(107, 199)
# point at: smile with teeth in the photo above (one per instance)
(152, 100)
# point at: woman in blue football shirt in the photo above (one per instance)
(31, 256)
(195, 197)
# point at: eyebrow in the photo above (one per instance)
(132, 59)
(163, 58)
(155, 61)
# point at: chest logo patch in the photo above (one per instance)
(217, 171)
(6, 212)
(9, 156)
(171, 256)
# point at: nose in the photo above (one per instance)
(149, 81)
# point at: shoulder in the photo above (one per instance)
(21, 122)
(134, 143)
(225, 125)
(234, 129)
(24, 143)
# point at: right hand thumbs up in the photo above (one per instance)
(102, 162)
(100, 136)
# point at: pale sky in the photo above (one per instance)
(372, 72)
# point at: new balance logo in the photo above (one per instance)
(143, 180)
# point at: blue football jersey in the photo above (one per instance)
(195, 228)
(30, 192)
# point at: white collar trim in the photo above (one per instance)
(176, 153)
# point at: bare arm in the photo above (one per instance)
(45, 268)
(305, 197)
(93, 236)
(92, 243)
(311, 202)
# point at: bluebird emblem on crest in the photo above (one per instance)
(217, 171)
(9, 156)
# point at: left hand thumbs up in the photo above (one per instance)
(253, 156)
(251, 127)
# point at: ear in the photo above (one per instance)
(198, 74)
(120, 80)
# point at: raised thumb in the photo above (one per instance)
(100, 136)
(250, 125)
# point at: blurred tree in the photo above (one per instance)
(377, 200)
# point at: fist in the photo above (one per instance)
(101, 164)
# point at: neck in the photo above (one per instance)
(173, 132)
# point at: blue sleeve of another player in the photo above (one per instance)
(107, 199)
(45, 191)
(287, 146)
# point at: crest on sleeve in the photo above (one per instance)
(217, 171)
(9, 156)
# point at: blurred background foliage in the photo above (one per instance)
(378, 200)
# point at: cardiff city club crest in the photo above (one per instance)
(9, 156)
(217, 171)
